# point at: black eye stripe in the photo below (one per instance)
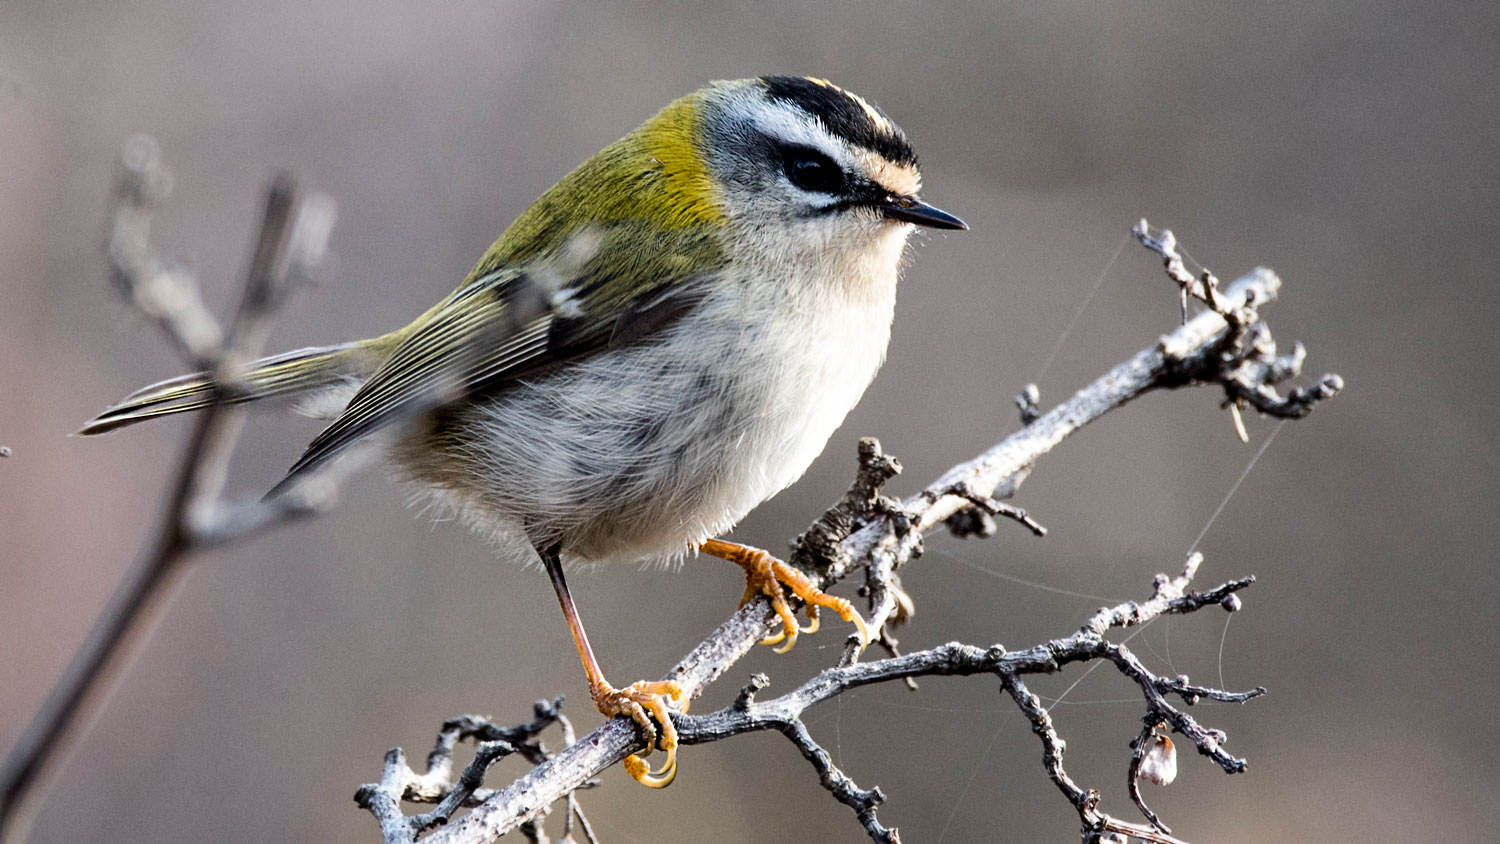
(812, 170)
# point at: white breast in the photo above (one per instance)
(643, 452)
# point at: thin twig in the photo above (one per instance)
(784, 714)
(291, 243)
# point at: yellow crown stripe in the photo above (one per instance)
(880, 120)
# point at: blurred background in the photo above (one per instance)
(1353, 147)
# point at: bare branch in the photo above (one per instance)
(862, 801)
(978, 520)
(493, 742)
(162, 292)
(291, 244)
(1144, 744)
(1226, 345)
(1029, 403)
(1248, 377)
(783, 714)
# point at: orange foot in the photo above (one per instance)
(635, 701)
(766, 575)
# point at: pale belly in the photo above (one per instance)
(642, 453)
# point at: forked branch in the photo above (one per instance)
(1227, 345)
(288, 252)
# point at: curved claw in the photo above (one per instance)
(641, 772)
(790, 634)
(789, 626)
(663, 777)
(633, 701)
(791, 642)
(812, 617)
(859, 625)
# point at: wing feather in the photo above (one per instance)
(499, 327)
(473, 338)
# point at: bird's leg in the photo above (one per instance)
(765, 575)
(634, 701)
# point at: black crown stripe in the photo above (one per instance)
(843, 115)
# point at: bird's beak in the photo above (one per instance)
(909, 209)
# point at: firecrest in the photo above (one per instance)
(665, 339)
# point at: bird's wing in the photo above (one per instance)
(498, 327)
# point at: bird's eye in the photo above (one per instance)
(812, 170)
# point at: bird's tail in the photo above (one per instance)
(291, 373)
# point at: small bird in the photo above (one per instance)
(662, 341)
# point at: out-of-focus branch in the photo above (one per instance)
(1226, 345)
(289, 249)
